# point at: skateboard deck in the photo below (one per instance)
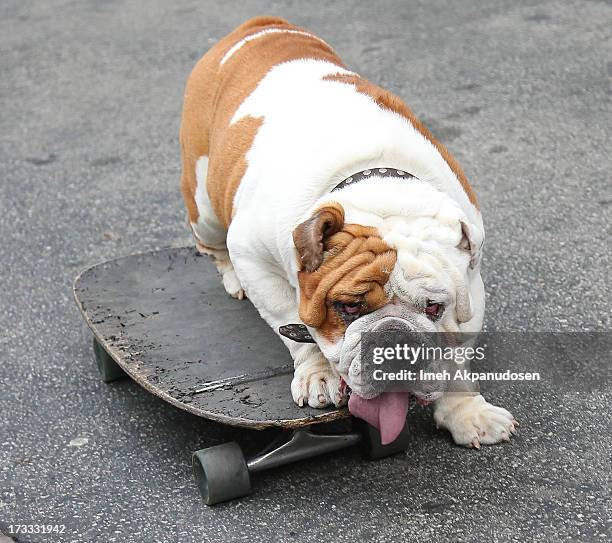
(166, 320)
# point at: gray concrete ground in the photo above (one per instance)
(91, 94)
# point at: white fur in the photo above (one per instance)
(316, 133)
(211, 235)
(473, 421)
(232, 50)
(208, 230)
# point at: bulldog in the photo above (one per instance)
(322, 198)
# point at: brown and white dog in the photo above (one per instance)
(274, 129)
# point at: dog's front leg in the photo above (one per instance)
(315, 382)
(472, 420)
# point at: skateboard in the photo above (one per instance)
(163, 319)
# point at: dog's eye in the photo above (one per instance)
(434, 310)
(349, 311)
(352, 308)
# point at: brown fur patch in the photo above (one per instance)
(389, 101)
(356, 266)
(226, 174)
(214, 93)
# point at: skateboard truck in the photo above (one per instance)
(222, 473)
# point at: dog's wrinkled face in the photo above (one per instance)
(410, 275)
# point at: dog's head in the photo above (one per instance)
(369, 265)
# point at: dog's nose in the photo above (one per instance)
(392, 324)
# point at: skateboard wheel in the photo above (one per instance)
(109, 369)
(221, 473)
(372, 446)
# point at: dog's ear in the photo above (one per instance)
(467, 244)
(309, 237)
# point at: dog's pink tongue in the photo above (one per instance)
(386, 412)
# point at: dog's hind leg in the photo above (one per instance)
(230, 280)
(209, 234)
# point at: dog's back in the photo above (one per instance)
(220, 82)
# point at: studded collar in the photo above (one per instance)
(378, 172)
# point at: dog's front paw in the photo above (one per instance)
(473, 421)
(316, 384)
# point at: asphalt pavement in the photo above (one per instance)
(90, 97)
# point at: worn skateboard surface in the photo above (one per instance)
(165, 318)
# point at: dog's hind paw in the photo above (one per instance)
(232, 285)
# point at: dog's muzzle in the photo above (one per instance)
(394, 320)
